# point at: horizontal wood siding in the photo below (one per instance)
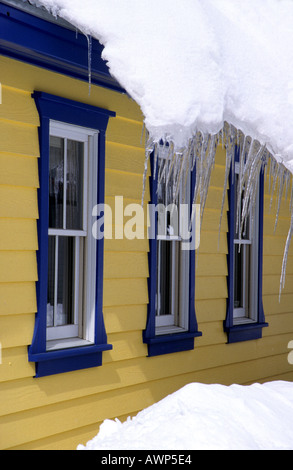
(59, 412)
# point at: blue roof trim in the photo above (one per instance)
(45, 44)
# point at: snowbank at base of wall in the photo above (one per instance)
(198, 416)
(194, 64)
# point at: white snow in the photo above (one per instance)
(203, 417)
(194, 64)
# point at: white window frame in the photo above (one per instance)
(248, 312)
(81, 332)
(168, 324)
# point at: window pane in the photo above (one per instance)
(163, 273)
(246, 223)
(238, 276)
(65, 289)
(51, 281)
(74, 187)
(56, 182)
(168, 277)
(242, 278)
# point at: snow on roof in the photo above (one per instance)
(207, 417)
(194, 64)
(202, 71)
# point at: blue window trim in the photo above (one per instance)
(53, 362)
(249, 331)
(175, 342)
(42, 43)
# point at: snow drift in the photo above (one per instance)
(203, 417)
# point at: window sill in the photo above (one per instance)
(58, 344)
(171, 343)
(56, 361)
(245, 331)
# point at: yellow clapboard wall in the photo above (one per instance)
(59, 412)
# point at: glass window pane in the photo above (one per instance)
(56, 182)
(51, 281)
(238, 276)
(74, 187)
(163, 277)
(65, 288)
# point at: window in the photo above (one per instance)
(172, 294)
(171, 323)
(245, 315)
(71, 248)
(69, 330)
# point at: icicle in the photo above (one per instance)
(89, 42)
(275, 177)
(285, 257)
(147, 156)
(281, 178)
(227, 172)
(209, 165)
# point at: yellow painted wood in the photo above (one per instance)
(125, 265)
(126, 345)
(15, 365)
(211, 243)
(272, 210)
(125, 158)
(62, 407)
(272, 305)
(28, 78)
(282, 227)
(123, 184)
(18, 106)
(49, 417)
(125, 318)
(275, 245)
(273, 265)
(18, 234)
(19, 138)
(279, 324)
(16, 201)
(211, 221)
(18, 266)
(16, 330)
(211, 265)
(126, 245)
(210, 310)
(218, 177)
(118, 205)
(155, 391)
(271, 284)
(211, 287)
(17, 170)
(125, 131)
(17, 297)
(214, 199)
(125, 292)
